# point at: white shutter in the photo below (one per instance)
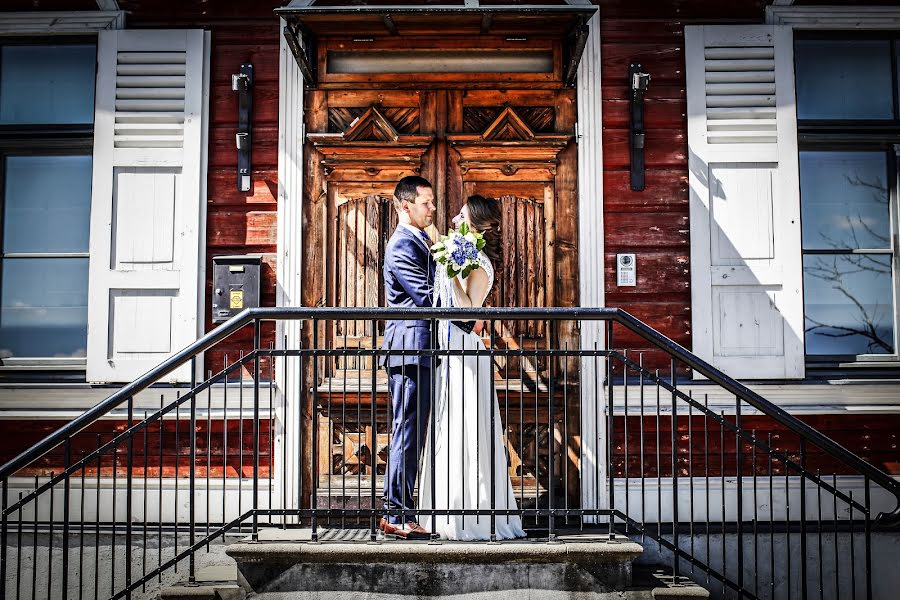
(746, 265)
(147, 200)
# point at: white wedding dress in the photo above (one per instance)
(461, 426)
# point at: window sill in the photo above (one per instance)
(69, 400)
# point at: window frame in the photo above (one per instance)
(869, 135)
(43, 140)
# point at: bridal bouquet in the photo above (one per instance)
(457, 251)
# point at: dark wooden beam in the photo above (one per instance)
(298, 45)
(576, 43)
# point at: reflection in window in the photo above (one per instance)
(844, 79)
(847, 254)
(47, 84)
(845, 200)
(849, 304)
(44, 268)
(43, 311)
(44, 213)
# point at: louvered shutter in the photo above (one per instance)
(148, 200)
(746, 266)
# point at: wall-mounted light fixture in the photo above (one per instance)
(242, 83)
(638, 83)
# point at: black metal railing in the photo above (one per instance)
(595, 437)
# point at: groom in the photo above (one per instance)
(408, 282)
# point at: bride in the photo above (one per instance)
(464, 401)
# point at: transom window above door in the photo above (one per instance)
(849, 130)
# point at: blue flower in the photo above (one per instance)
(468, 248)
(459, 256)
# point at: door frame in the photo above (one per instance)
(289, 262)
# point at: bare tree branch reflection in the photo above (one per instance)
(868, 322)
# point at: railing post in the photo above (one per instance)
(65, 537)
(129, 490)
(3, 534)
(803, 587)
(740, 495)
(373, 521)
(192, 481)
(256, 347)
(314, 500)
(674, 449)
(609, 429)
(493, 444)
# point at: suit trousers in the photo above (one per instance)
(410, 388)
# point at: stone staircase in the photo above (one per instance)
(286, 564)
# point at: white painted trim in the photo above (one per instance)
(233, 489)
(61, 23)
(204, 196)
(69, 401)
(783, 489)
(840, 397)
(35, 401)
(835, 17)
(289, 262)
(589, 137)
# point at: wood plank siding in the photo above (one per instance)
(224, 449)
(652, 223)
(543, 271)
(236, 222)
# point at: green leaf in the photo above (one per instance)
(463, 228)
(480, 244)
(451, 273)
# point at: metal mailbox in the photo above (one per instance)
(235, 285)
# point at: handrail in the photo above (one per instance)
(589, 314)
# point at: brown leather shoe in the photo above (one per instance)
(416, 532)
(389, 528)
(408, 531)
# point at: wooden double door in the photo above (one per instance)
(515, 145)
(512, 145)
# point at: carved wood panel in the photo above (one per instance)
(512, 146)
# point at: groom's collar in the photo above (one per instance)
(414, 232)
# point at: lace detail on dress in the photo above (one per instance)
(443, 288)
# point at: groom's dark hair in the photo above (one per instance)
(407, 189)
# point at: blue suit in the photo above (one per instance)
(408, 280)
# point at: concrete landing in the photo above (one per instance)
(582, 566)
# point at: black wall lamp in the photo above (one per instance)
(638, 82)
(242, 83)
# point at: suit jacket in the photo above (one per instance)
(408, 282)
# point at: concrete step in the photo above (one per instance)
(217, 582)
(662, 585)
(285, 564)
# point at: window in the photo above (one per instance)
(849, 130)
(46, 133)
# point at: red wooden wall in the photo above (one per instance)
(653, 223)
(236, 222)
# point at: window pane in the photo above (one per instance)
(845, 200)
(849, 304)
(43, 312)
(47, 204)
(47, 84)
(844, 79)
(441, 61)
